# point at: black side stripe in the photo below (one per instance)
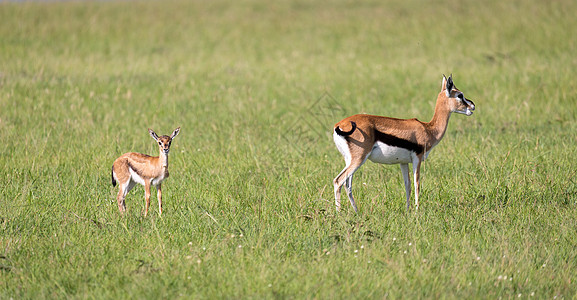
(394, 141)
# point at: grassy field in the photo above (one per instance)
(256, 87)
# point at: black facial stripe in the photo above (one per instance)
(394, 141)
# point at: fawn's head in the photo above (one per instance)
(457, 101)
(165, 140)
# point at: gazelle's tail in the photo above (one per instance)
(346, 133)
(112, 175)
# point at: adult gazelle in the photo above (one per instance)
(388, 140)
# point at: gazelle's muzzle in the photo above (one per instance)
(470, 107)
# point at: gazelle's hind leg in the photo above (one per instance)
(120, 199)
(347, 176)
(407, 179)
(343, 148)
(355, 157)
(123, 189)
(337, 188)
(349, 186)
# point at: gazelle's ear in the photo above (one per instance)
(447, 85)
(153, 134)
(175, 133)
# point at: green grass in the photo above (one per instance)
(256, 88)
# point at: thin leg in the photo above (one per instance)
(349, 186)
(407, 179)
(120, 199)
(159, 195)
(337, 188)
(123, 190)
(345, 176)
(147, 196)
(416, 174)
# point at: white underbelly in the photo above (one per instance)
(385, 154)
(135, 177)
(153, 181)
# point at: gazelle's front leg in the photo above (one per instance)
(407, 179)
(146, 196)
(159, 195)
(416, 174)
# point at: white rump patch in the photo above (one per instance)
(343, 147)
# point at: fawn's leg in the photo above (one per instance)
(159, 195)
(123, 189)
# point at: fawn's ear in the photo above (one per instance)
(175, 133)
(153, 134)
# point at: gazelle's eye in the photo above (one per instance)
(160, 143)
(460, 96)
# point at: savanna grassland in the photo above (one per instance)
(256, 87)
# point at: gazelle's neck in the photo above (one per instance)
(163, 159)
(440, 121)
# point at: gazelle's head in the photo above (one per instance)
(457, 101)
(164, 141)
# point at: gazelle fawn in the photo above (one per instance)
(132, 168)
(387, 140)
